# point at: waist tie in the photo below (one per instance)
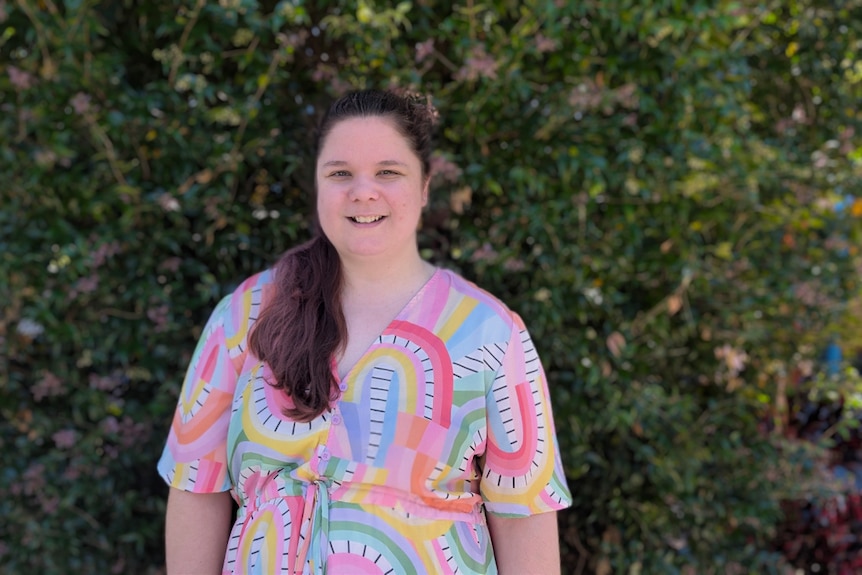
(315, 527)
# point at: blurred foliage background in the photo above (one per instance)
(667, 191)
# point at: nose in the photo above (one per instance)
(364, 189)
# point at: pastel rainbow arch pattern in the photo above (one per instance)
(445, 418)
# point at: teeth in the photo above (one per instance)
(366, 219)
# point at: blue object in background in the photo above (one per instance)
(832, 357)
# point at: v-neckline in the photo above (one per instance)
(397, 317)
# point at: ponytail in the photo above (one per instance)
(302, 328)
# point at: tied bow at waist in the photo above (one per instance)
(314, 532)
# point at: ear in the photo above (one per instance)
(425, 191)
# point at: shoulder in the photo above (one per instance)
(258, 283)
(238, 310)
(481, 301)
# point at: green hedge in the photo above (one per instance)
(652, 185)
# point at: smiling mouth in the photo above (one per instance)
(366, 219)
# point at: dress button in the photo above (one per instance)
(325, 455)
(336, 419)
(342, 386)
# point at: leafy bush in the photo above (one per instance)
(651, 185)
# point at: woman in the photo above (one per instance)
(368, 412)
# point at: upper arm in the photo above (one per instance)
(197, 526)
(525, 545)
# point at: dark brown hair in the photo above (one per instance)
(301, 329)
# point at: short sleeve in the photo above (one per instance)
(195, 454)
(522, 473)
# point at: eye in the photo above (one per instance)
(389, 173)
(339, 174)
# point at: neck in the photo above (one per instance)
(376, 278)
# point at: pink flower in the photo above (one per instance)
(806, 367)
(171, 264)
(810, 293)
(33, 479)
(65, 439)
(444, 170)
(111, 452)
(49, 504)
(845, 138)
(45, 158)
(485, 253)
(478, 64)
(734, 359)
(84, 285)
(159, 316)
(88, 284)
(322, 73)
(168, 203)
(836, 243)
(339, 87)
(110, 425)
(213, 206)
(49, 386)
(293, 40)
(424, 50)
(586, 96)
(19, 78)
(783, 125)
(799, 115)
(132, 433)
(81, 103)
(514, 265)
(627, 96)
(72, 473)
(544, 44)
(592, 94)
(103, 253)
(104, 383)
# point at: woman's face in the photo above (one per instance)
(370, 190)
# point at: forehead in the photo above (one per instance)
(365, 138)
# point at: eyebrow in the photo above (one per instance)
(332, 163)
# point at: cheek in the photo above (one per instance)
(407, 206)
(325, 199)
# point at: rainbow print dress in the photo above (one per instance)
(445, 418)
